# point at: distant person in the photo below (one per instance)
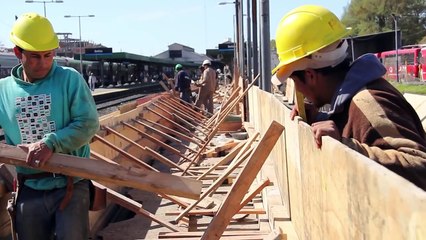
(46, 109)
(183, 84)
(227, 73)
(92, 82)
(207, 85)
(367, 113)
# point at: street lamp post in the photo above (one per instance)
(235, 26)
(44, 3)
(240, 34)
(79, 32)
(395, 19)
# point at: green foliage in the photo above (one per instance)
(410, 88)
(374, 16)
(273, 44)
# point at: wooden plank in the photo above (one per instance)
(287, 146)
(245, 178)
(236, 233)
(300, 101)
(207, 202)
(212, 212)
(99, 156)
(100, 170)
(226, 145)
(256, 190)
(134, 206)
(236, 237)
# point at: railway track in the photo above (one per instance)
(107, 102)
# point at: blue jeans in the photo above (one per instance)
(38, 215)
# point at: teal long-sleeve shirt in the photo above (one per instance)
(58, 110)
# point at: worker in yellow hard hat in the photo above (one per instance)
(366, 112)
(46, 109)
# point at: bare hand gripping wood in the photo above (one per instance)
(102, 171)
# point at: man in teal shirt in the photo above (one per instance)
(47, 108)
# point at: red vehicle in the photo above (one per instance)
(422, 66)
(409, 63)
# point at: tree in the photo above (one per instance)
(374, 16)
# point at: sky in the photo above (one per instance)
(147, 27)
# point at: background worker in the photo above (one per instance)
(207, 86)
(47, 109)
(367, 113)
(183, 84)
(92, 81)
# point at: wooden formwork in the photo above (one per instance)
(130, 138)
(334, 192)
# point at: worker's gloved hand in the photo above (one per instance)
(37, 153)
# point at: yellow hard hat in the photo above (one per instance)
(306, 30)
(33, 32)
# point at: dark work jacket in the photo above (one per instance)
(375, 119)
(183, 83)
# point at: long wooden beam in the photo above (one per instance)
(100, 170)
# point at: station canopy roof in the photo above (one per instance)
(131, 58)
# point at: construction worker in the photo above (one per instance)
(46, 109)
(367, 113)
(207, 85)
(183, 84)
